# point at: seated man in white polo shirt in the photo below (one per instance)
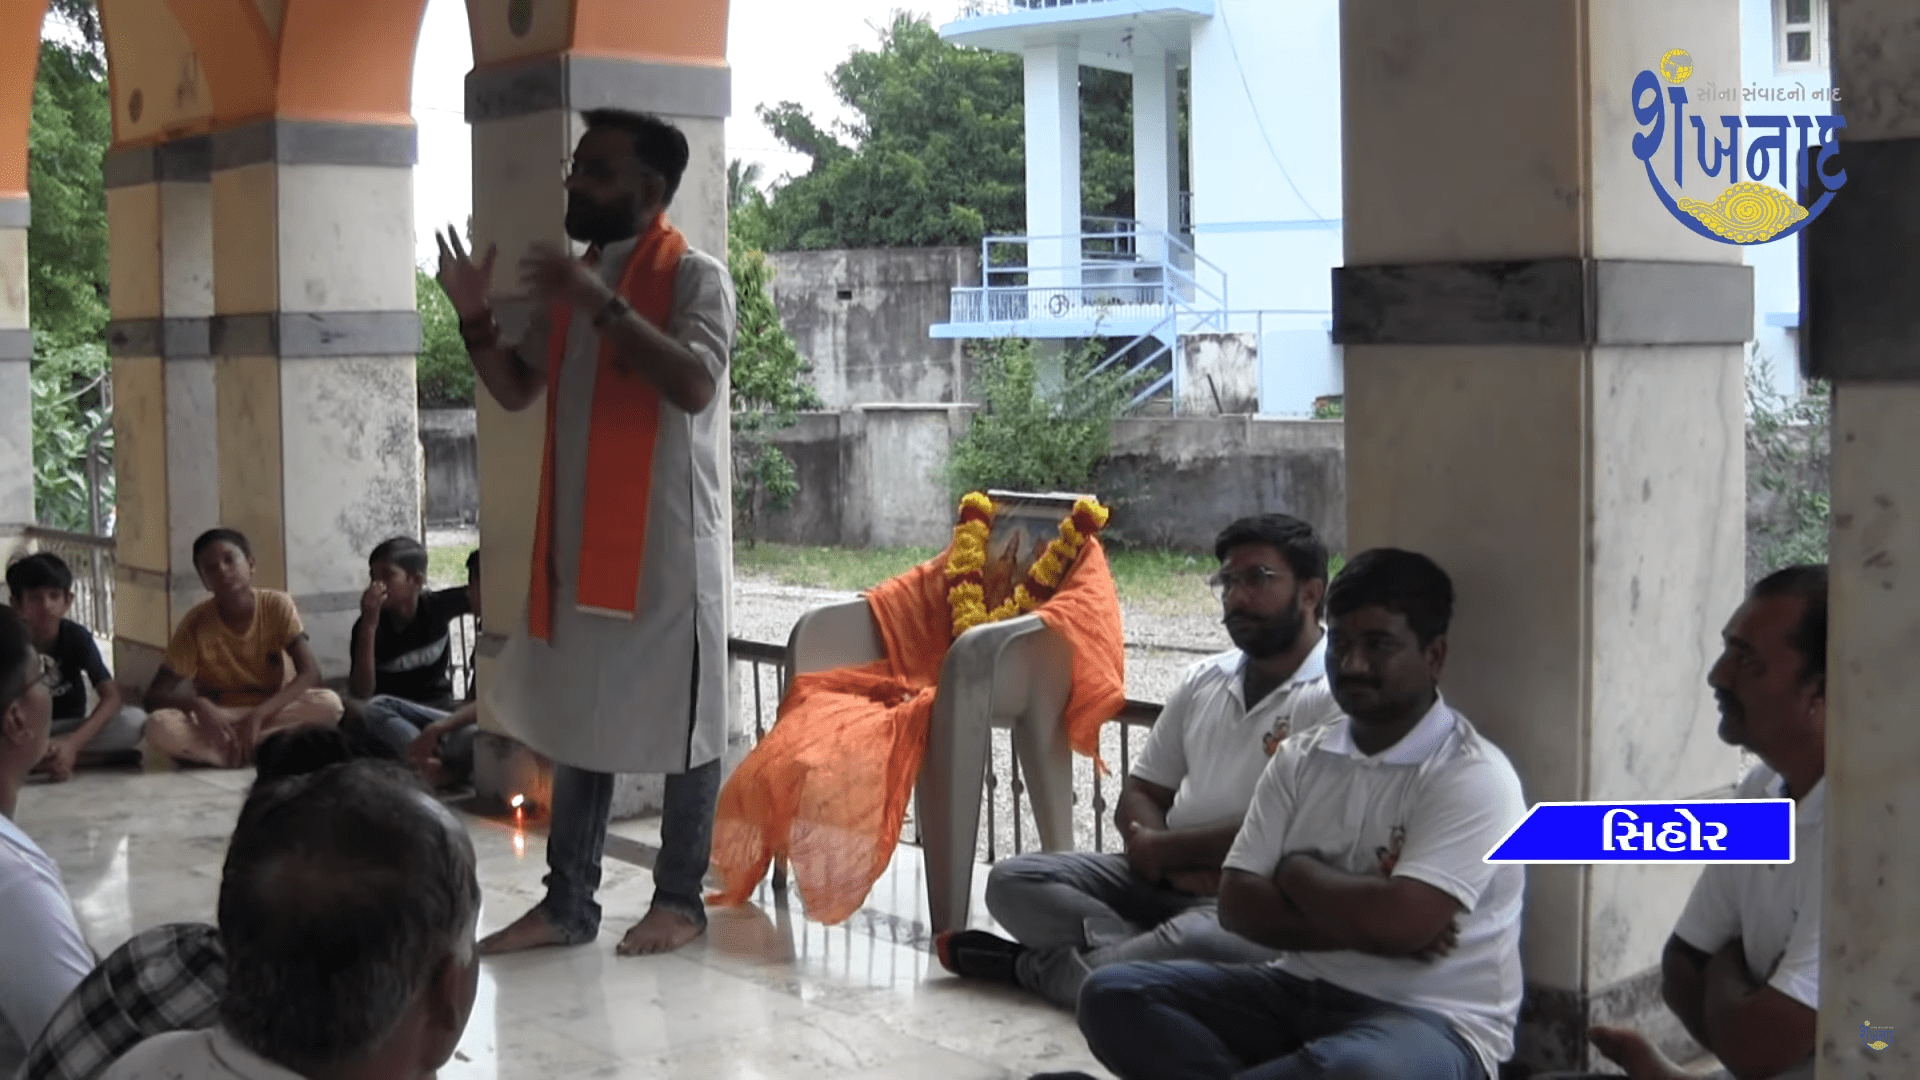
(1742, 969)
(1363, 859)
(1072, 912)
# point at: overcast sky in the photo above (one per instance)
(779, 49)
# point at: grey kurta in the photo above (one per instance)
(646, 694)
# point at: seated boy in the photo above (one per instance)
(403, 652)
(225, 685)
(42, 590)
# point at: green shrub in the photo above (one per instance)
(1789, 448)
(1030, 437)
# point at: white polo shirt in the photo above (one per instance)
(1209, 748)
(1773, 909)
(1430, 807)
(42, 955)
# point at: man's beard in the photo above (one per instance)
(1263, 637)
(599, 223)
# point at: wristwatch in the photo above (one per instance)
(616, 307)
(482, 331)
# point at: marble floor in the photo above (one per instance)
(766, 994)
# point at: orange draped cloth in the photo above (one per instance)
(828, 786)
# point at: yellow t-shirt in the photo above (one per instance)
(237, 669)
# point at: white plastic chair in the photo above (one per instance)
(1014, 674)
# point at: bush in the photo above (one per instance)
(1789, 447)
(1029, 438)
(769, 379)
(70, 396)
(442, 370)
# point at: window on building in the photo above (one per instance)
(1800, 34)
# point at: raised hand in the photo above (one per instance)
(467, 283)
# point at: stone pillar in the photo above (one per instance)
(314, 340)
(166, 459)
(1053, 163)
(16, 355)
(1863, 333)
(526, 119)
(1544, 393)
(1156, 149)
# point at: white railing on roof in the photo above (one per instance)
(1123, 272)
(973, 9)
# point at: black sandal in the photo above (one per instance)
(976, 954)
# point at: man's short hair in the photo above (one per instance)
(473, 563)
(1808, 581)
(16, 653)
(659, 145)
(41, 570)
(402, 551)
(1404, 582)
(214, 536)
(344, 892)
(1294, 539)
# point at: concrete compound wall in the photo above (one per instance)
(861, 318)
(452, 466)
(874, 477)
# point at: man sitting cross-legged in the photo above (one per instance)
(1363, 859)
(1742, 969)
(1073, 912)
(347, 912)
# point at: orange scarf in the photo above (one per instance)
(624, 422)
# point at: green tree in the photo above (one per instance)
(442, 370)
(770, 385)
(67, 139)
(1033, 436)
(937, 153)
(1789, 447)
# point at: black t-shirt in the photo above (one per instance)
(78, 657)
(413, 661)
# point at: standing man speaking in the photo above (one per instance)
(620, 663)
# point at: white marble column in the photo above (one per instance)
(314, 342)
(16, 354)
(166, 454)
(1544, 393)
(1156, 149)
(1863, 333)
(1052, 79)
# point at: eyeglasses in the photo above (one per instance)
(45, 675)
(1255, 579)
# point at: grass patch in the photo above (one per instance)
(447, 564)
(845, 569)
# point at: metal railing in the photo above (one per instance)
(91, 559)
(973, 9)
(1007, 823)
(1123, 272)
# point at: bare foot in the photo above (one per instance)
(1633, 1052)
(529, 931)
(660, 932)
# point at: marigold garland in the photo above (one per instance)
(967, 561)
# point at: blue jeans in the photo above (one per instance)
(397, 722)
(1192, 1021)
(577, 836)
